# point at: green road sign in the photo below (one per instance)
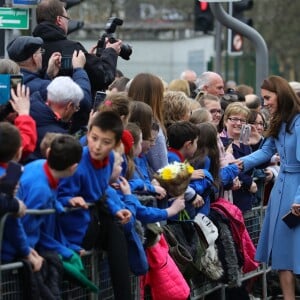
(14, 18)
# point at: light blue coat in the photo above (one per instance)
(277, 241)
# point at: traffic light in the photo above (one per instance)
(73, 25)
(204, 19)
(239, 8)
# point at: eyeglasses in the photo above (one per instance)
(216, 111)
(67, 18)
(76, 107)
(72, 106)
(41, 51)
(258, 124)
(236, 120)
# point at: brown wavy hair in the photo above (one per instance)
(149, 88)
(141, 114)
(135, 131)
(208, 146)
(117, 102)
(287, 101)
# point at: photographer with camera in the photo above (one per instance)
(107, 37)
(27, 52)
(52, 27)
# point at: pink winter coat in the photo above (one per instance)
(164, 278)
(239, 232)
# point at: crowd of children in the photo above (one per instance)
(100, 180)
(96, 166)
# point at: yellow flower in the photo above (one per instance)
(175, 177)
(172, 170)
(189, 169)
(166, 174)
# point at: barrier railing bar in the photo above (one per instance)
(262, 269)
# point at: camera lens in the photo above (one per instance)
(126, 51)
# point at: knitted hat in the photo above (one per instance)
(127, 140)
(22, 47)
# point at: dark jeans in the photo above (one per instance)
(110, 237)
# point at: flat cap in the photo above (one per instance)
(23, 47)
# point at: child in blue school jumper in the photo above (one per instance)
(15, 244)
(138, 177)
(182, 139)
(88, 185)
(38, 190)
(8, 202)
(145, 173)
(145, 214)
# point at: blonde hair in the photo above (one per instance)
(194, 104)
(181, 85)
(201, 98)
(8, 66)
(236, 108)
(200, 115)
(175, 106)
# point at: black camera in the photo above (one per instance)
(110, 28)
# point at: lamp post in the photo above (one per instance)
(262, 59)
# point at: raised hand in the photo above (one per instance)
(20, 99)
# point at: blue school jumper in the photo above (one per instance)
(140, 180)
(198, 185)
(145, 214)
(38, 191)
(14, 243)
(90, 182)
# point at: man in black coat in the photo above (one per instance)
(52, 27)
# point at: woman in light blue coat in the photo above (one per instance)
(278, 244)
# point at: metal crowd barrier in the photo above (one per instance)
(96, 265)
(203, 286)
(253, 221)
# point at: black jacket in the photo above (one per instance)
(45, 284)
(8, 204)
(101, 70)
